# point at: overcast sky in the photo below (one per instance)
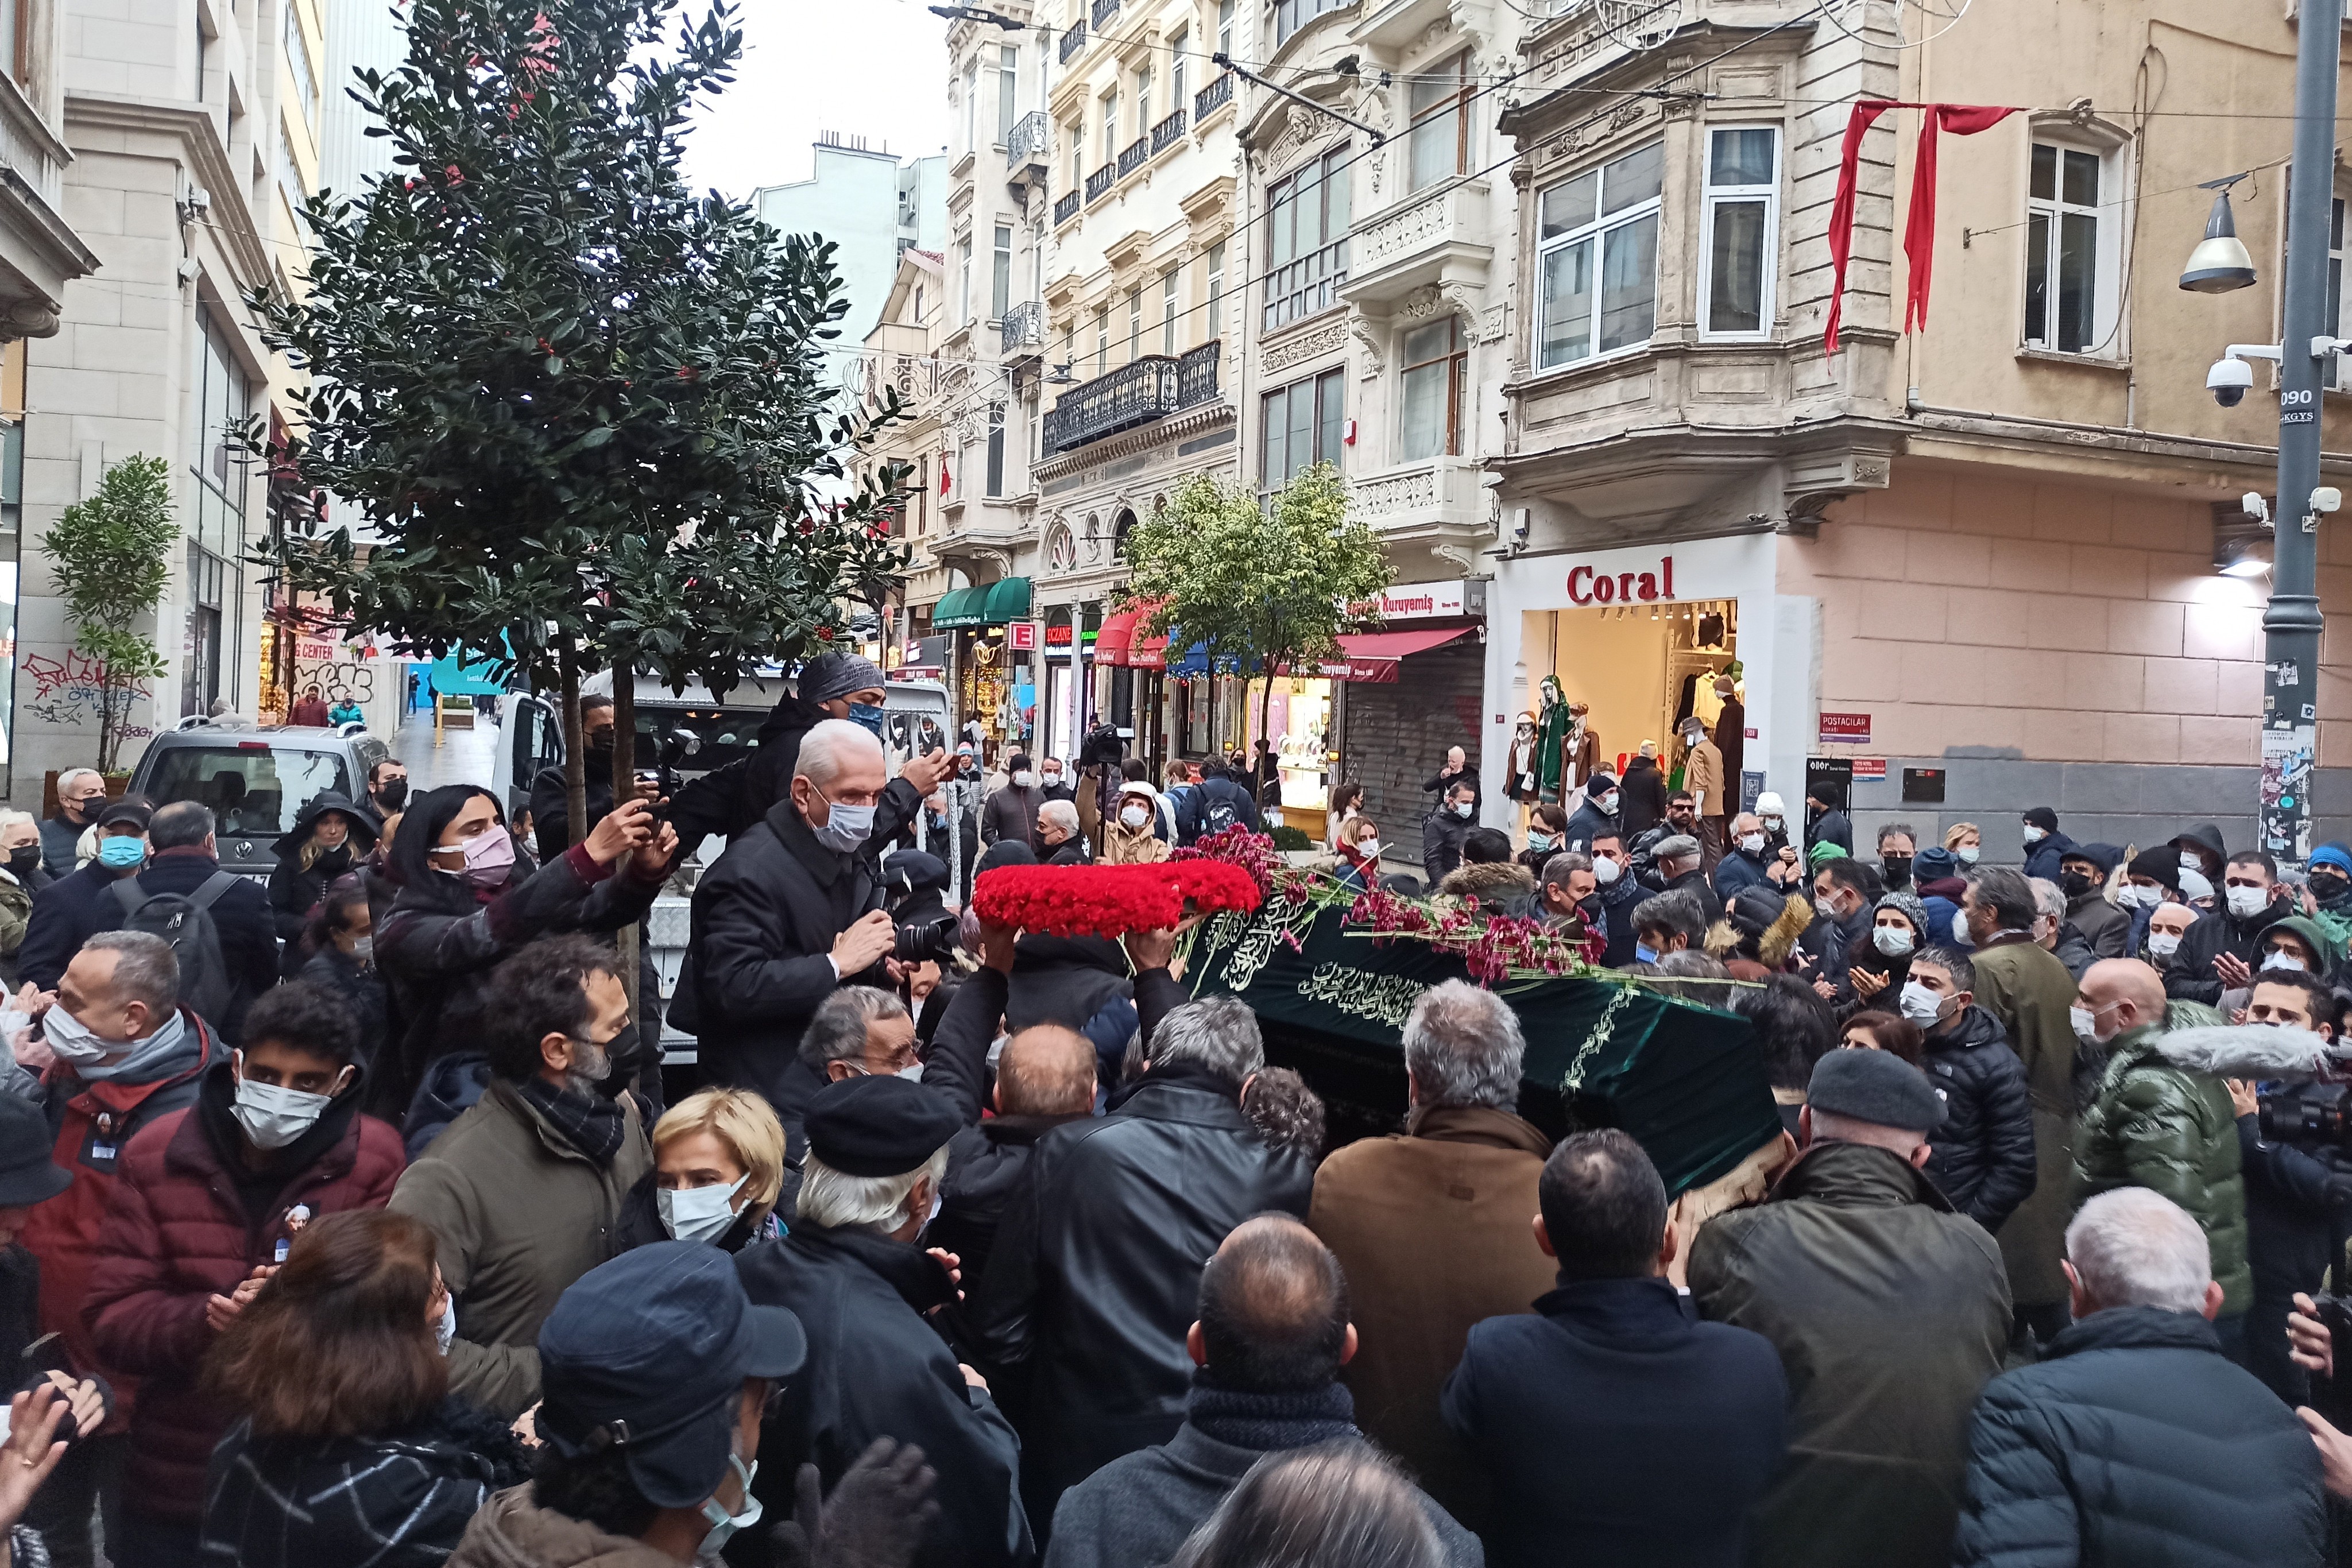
(875, 68)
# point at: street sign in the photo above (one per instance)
(1021, 636)
(1845, 729)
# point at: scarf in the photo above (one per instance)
(1263, 1423)
(163, 1054)
(588, 1123)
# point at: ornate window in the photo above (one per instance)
(1061, 549)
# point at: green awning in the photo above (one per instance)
(1008, 599)
(959, 607)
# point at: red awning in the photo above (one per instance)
(1139, 652)
(1118, 630)
(1372, 657)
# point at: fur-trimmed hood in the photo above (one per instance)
(1775, 942)
(2245, 1050)
(1489, 881)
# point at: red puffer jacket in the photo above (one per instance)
(177, 1234)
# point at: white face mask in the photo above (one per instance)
(2162, 944)
(1891, 940)
(1960, 928)
(1604, 870)
(2282, 959)
(2033, 835)
(1370, 849)
(1752, 842)
(2132, 895)
(2189, 862)
(1134, 816)
(1920, 1005)
(274, 1116)
(1827, 908)
(2086, 1025)
(1466, 808)
(2247, 901)
(723, 1524)
(1608, 802)
(363, 948)
(1966, 854)
(1771, 825)
(1024, 780)
(74, 1041)
(444, 1331)
(698, 1213)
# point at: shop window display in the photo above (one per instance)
(1636, 671)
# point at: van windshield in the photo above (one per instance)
(257, 790)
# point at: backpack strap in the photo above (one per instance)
(219, 882)
(127, 893)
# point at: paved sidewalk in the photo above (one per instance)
(461, 756)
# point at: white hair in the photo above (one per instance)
(2134, 1247)
(1462, 1046)
(837, 1202)
(2049, 898)
(829, 748)
(17, 819)
(1219, 1033)
(1063, 814)
(70, 773)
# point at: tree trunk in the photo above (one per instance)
(625, 789)
(575, 751)
(1265, 712)
(106, 725)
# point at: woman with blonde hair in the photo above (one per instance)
(331, 836)
(718, 1173)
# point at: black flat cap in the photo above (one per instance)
(879, 1126)
(1877, 1087)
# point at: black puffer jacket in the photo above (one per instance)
(1982, 1156)
(2133, 1443)
(296, 889)
(2190, 977)
(401, 1500)
(1097, 1270)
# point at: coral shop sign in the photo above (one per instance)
(1586, 586)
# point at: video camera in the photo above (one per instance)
(917, 884)
(1103, 747)
(2310, 1115)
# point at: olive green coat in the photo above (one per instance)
(2030, 991)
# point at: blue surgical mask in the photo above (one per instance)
(1644, 953)
(723, 1524)
(1538, 840)
(845, 827)
(120, 852)
(867, 714)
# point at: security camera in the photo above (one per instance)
(2229, 382)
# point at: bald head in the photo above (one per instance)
(2123, 993)
(1274, 1310)
(1047, 1070)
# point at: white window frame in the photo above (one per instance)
(1110, 103)
(1713, 197)
(1000, 284)
(1596, 231)
(1225, 28)
(1143, 103)
(1008, 92)
(972, 105)
(298, 64)
(2339, 377)
(1180, 44)
(2107, 263)
(1214, 298)
(1168, 311)
(963, 283)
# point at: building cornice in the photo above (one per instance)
(232, 218)
(1177, 426)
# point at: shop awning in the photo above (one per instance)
(1372, 657)
(990, 604)
(1115, 643)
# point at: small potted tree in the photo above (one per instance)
(111, 557)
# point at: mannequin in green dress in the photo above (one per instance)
(1551, 730)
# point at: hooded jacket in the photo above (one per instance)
(2207, 836)
(2191, 978)
(1500, 887)
(1773, 946)
(1982, 1156)
(2135, 1444)
(2042, 856)
(2163, 1121)
(512, 1532)
(189, 1222)
(1890, 1314)
(295, 890)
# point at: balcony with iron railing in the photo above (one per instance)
(1212, 97)
(1133, 156)
(1030, 140)
(1152, 387)
(1023, 327)
(1103, 12)
(1167, 133)
(1073, 40)
(1065, 207)
(1098, 183)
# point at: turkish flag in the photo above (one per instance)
(943, 473)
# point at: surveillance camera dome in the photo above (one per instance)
(2229, 380)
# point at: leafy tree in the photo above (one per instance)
(580, 411)
(1258, 585)
(110, 555)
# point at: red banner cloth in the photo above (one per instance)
(1919, 231)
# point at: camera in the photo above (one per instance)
(2229, 380)
(2307, 1114)
(926, 929)
(930, 939)
(1103, 747)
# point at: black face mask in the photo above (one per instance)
(601, 743)
(24, 859)
(1898, 869)
(623, 1049)
(2325, 885)
(2074, 884)
(391, 794)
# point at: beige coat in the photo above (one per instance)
(1120, 847)
(1703, 777)
(512, 1532)
(1434, 1229)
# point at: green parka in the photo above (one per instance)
(2163, 1121)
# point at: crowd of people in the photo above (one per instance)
(348, 1219)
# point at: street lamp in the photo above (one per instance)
(976, 13)
(2219, 262)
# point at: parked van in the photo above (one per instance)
(256, 778)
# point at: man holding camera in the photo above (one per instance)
(793, 910)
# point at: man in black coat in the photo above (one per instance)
(185, 857)
(1457, 770)
(1597, 817)
(551, 795)
(1612, 1369)
(1216, 804)
(2218, 952)
(2134, 1442)
(791, 911)
(1441, 832)
(66, 913)
(1982, 1156)
(1270, 1338)
(1825, 817)
(876, 1368)
(1097, 1263)
(1621, 892)
(1012, 813)
(1044, 1079)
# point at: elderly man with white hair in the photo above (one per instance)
(81, 796)
(791, 911)
(21, 877)
(1058, 833)
(2134, 1440)
(1458, 1184)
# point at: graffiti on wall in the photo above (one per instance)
(334, 668)
(67, 692)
